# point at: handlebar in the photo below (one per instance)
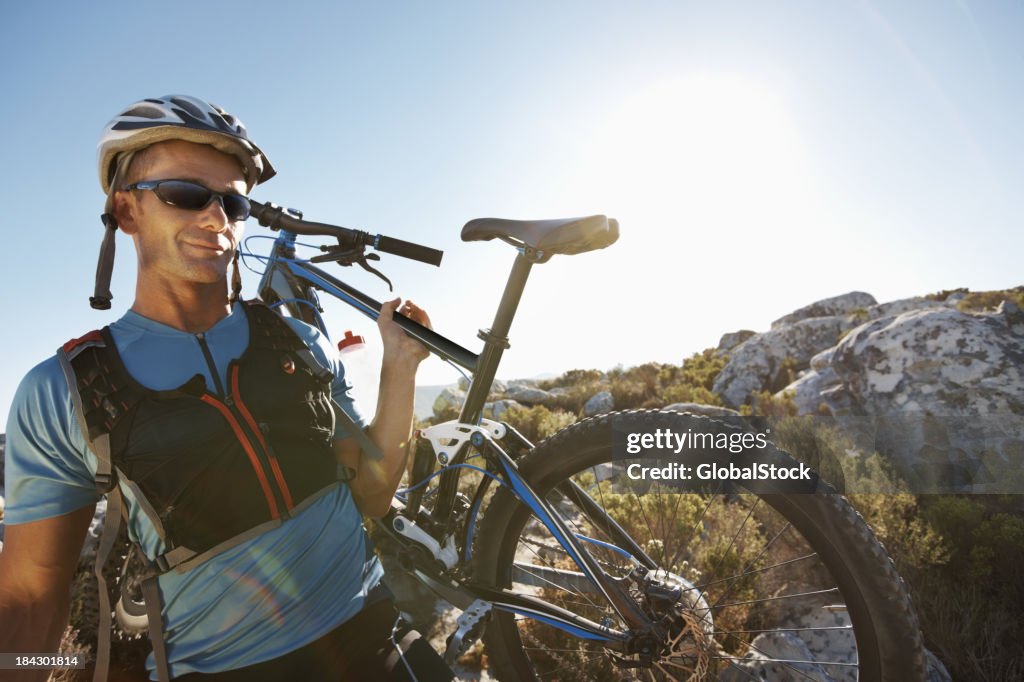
(276, 218)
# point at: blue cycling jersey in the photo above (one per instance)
(259, 600)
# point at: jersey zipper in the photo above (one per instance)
(248, 435)
(201, 338)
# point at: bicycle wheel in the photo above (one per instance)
(770, 586)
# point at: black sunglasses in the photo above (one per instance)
(194, 197)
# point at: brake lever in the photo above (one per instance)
(352, 256)
(365, 266)
(342, 256)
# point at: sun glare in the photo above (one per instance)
(720, 150)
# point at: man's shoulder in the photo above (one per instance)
(45, 380)
(311, 336)
(306, 331)
(42, 402)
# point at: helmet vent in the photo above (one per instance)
(144, 112)
(190, 108)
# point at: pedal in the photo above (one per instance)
(469, 628)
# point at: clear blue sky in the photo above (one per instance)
(758, 155)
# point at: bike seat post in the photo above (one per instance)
(495, 341)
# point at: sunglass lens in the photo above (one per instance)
(187, 195)
(236, 207)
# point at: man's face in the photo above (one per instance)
(176, 245)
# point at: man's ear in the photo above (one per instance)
(125, 208)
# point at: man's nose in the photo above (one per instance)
(213, 217)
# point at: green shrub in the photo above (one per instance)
(538, 422)
(989, 300)
(961, 558)
(692, 381)
(946, 293)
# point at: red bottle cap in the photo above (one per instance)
(350, 341)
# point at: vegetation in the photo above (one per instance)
(981, 300)
(990, 300)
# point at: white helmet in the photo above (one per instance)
(178, 117)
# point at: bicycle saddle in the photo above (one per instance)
(547, 237)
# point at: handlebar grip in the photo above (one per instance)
(424, 254)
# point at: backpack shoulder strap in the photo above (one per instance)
(269, 331)
(99, 442)
(101, 392)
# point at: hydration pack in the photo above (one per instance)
(270, 436)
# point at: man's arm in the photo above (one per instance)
(36, 567)
(375, 482)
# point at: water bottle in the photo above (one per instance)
(360, 372)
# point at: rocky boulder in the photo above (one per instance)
(449, 398)
(906, 305)
(526, 394)
(731, 340)
(828, 307)
(942, 392)
(496, 410)
(760, 663)
(599, 403)
(765, 361)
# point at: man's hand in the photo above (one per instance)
(399, 347)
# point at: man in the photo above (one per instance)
(273, 576)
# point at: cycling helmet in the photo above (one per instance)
(148, 121)
(178, 117)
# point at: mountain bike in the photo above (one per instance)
(570, 570)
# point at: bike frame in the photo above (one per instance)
(293, 283)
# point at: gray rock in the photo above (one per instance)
(528, 395)
(940, 391)
(757, 664)
(497, 387)
(498, 408)
(1012, 313)
(955, 297)
(901, 306)
(449, 397)
(731, 340)
(598, 403)
(760, 362)
(703, 410)
(829, 307)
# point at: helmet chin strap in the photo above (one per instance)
(236, 277)
(100, 300)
